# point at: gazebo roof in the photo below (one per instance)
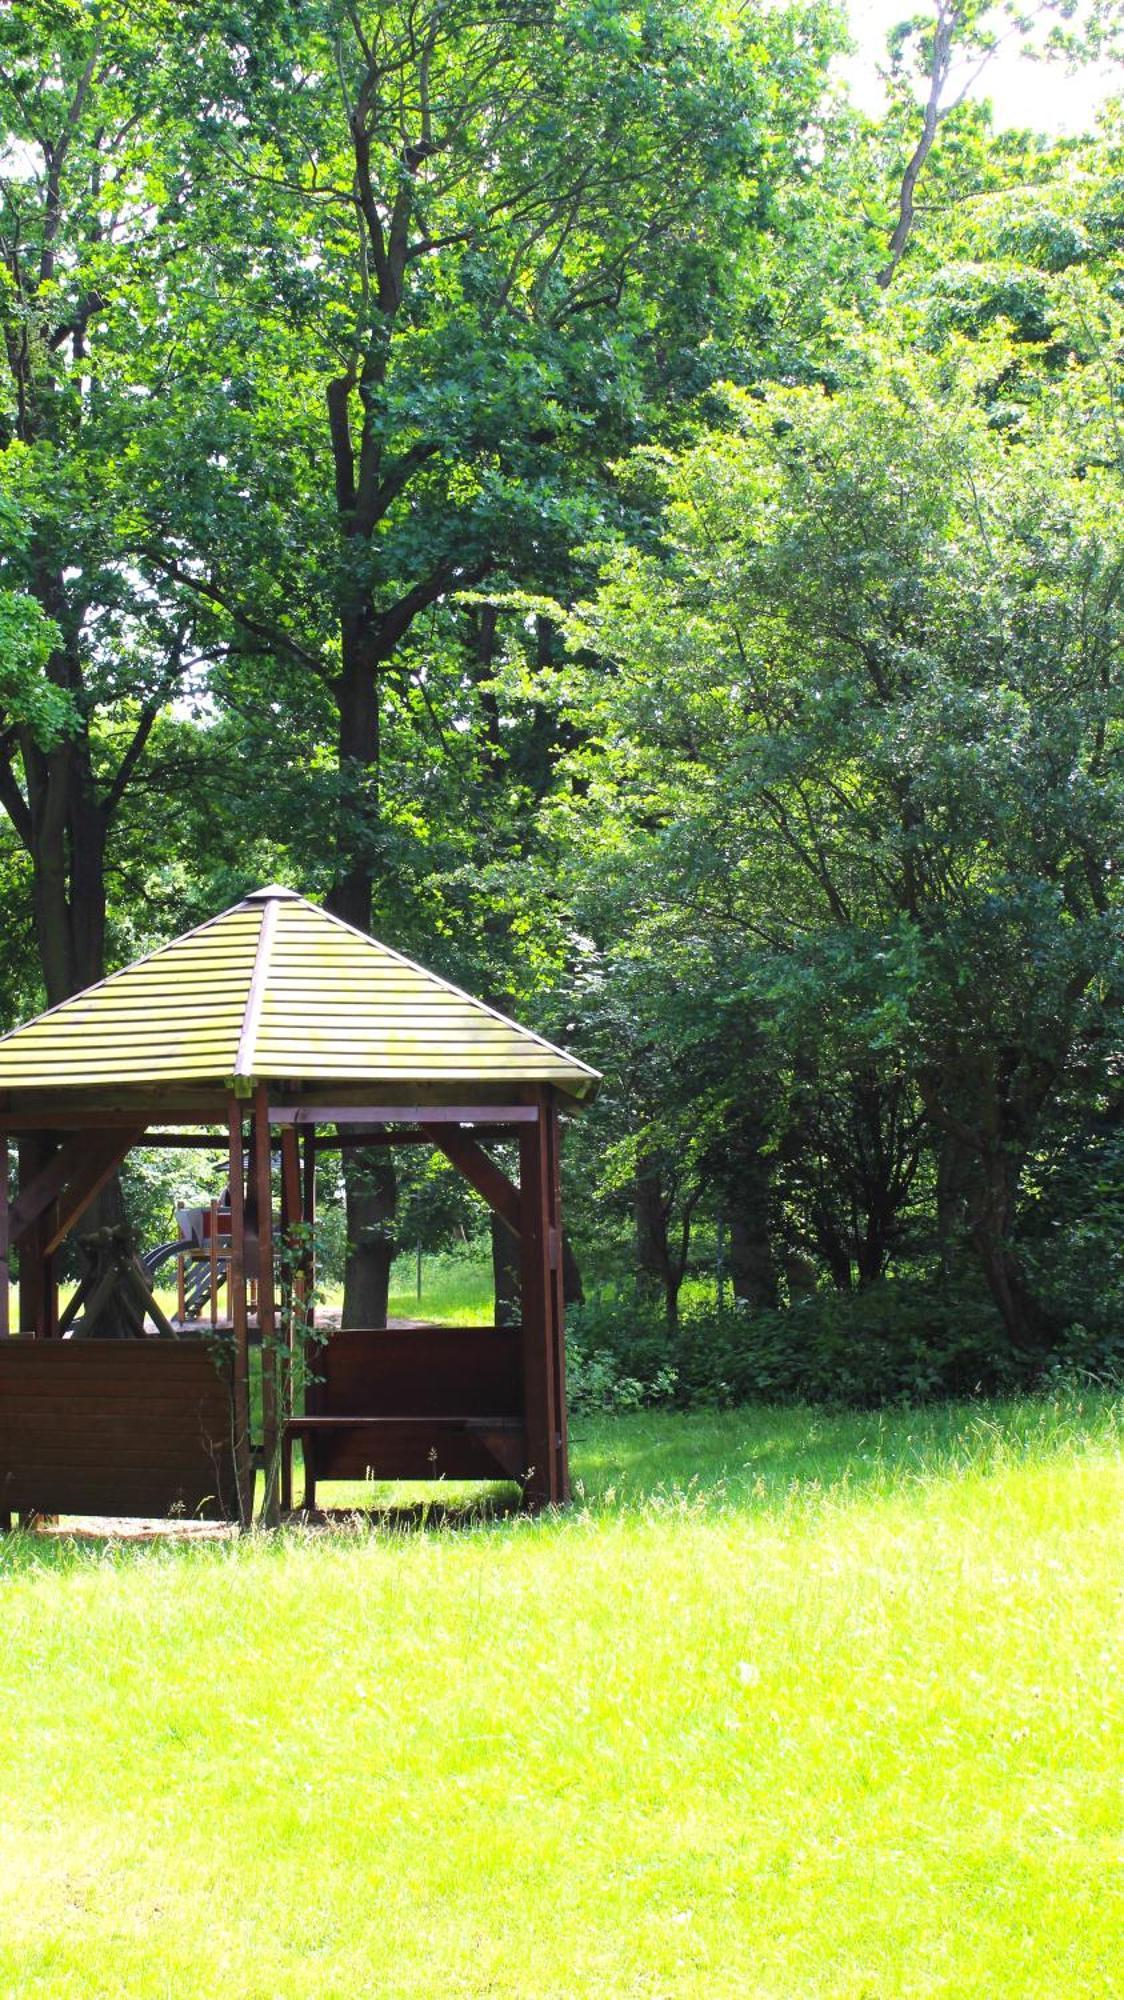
(276, 988)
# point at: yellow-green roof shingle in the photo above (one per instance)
(277, 988)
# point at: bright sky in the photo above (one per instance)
(1037, 94)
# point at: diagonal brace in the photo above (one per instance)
(480, 1172)
(71, 1179)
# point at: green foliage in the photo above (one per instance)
(861, 751)
(894, 1342)
(464, 463)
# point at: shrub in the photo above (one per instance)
(897, 1341)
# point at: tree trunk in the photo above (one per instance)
(671, 1284)
(1028, 1326)
(658, 1271)
(66, 840)
(371, 1196)
(573, 1291)
(743, 1178)
(67, 844)
(505, 1274)
(951, 1183)
(752, 1271)
(358, 747)
(650, 1227)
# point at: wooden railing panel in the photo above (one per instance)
(428, 1402)
(115, 1427)
(432, 1371)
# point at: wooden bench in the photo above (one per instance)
(416, 1403)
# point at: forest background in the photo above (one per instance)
(566, 487)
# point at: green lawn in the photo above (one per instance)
(456, 1291)
(786, 1705)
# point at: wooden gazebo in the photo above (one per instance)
(276, 1031)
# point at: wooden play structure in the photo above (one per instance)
(288, 1033)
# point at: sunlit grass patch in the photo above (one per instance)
(786, 1705)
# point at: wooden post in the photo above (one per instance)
(558, 1316)
(5, 1312)
(236, 1285)
(541, 1292)
(35, 1150)
(294, 1286)
(5, 1296)
(267, 1307)
(213, 1263)
(308, 1209)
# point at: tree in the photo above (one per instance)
(947, 49)
(874, 672)
(90, 232)
(467, 284)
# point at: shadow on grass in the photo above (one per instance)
(747, 1461)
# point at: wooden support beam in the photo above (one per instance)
(540, 1285)
(267, 1311)
(236, 1290)
(552, 1135)
(62, 1118)
(5, 1235)
(339, 1142)
(36, 1149)
(403, 1114)
(68, 1182)
(308, 1210)
(102, 1159)
(480, 1172)
(199, 1142)
(38, 1190)
(295, 1290)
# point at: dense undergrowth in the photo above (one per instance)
(895, 1342)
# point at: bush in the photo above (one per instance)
(898, 1341)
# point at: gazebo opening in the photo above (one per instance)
(282, 1035)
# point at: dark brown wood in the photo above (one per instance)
(93, 1109)
(5, 1240)
(267, 1293)
(343, 1142)
(553, 1142)
(36, 1149)
(540, 1255)
(402, 1114)
(37, 1192)
(200, 1142)
(115, 1427)
(295, 1265)
(432, 1397)
(402, 1448)
(308, 1210)
(102, 1157)
(98, 1112)
(239, 1316)
(479, 1171)
(460, 1371)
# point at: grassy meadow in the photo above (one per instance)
(786, 1705)
(456, 1290)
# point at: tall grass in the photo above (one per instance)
(785, 1705)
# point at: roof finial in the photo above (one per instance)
(274, 892)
